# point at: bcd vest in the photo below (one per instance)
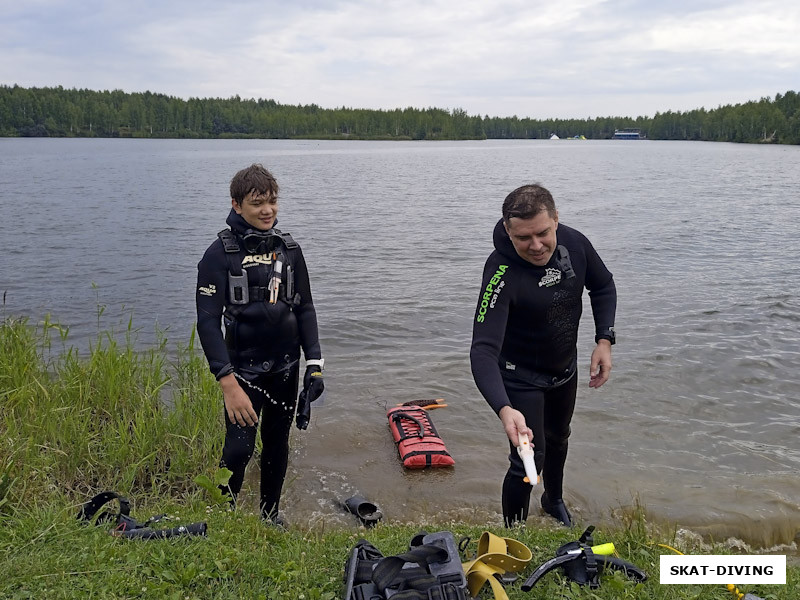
(240, 293)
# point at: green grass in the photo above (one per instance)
(147, 424)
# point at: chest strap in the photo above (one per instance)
(237, 277)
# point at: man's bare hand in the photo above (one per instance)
(600, 367)
(514, 424)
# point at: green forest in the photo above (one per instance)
(60, 112)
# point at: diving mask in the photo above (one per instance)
(262, 242)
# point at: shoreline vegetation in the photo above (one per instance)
(145, 423)
(61, 112)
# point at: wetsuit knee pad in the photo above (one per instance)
(517, 468)
(237, 450)
(557, 440)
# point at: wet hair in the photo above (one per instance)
(528, 201)
(254, 178)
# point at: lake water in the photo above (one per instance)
(700, 420)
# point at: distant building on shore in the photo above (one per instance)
(628, 134)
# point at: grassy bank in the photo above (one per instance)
(147, 424)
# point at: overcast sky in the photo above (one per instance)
(565, 58)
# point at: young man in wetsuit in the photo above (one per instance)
(525, 333)
(254, 279)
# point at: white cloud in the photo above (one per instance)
(541, 59)
(773, 34)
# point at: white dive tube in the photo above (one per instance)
(275, 282)
(526, 454)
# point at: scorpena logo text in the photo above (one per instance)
(493, 289)
(551, 277)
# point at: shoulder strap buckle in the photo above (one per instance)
(288, 241)
(229, 242)
(563, 262)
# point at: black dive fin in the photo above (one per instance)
(544, 569)
(631, 571)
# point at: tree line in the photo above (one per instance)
(60, 112)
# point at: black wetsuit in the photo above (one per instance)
(261, 346)
(524, 347)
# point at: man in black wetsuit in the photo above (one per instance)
(524, 340)
(254, 279)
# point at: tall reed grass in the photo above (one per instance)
(115, 418)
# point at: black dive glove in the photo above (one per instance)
(313, 385)
(303, 411)
(312, 389)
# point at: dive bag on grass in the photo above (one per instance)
(430, 570)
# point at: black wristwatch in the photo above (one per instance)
(606, 334)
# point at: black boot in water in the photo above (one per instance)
(557, 510)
